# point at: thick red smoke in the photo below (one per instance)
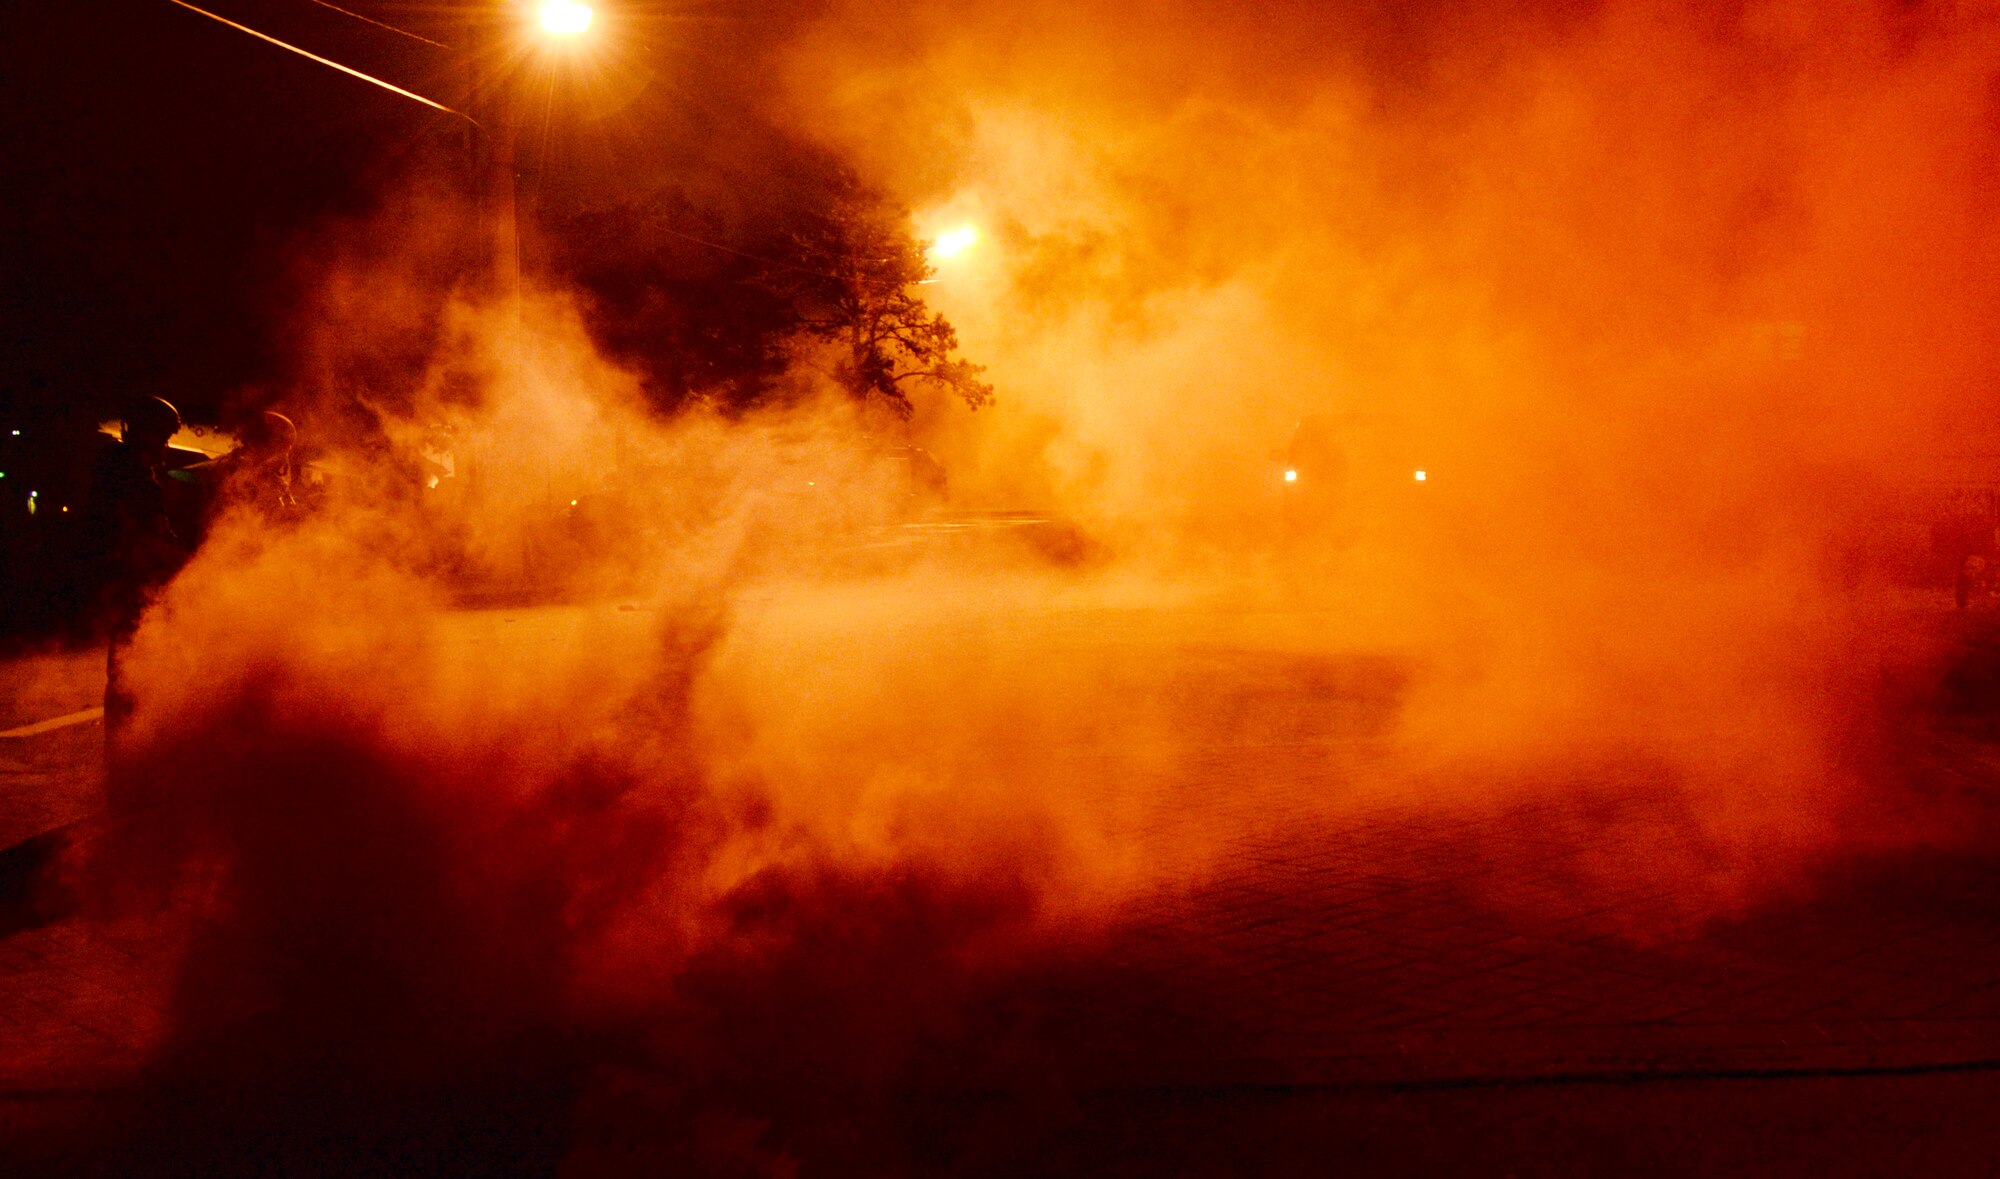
(757, 831)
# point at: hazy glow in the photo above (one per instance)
(795, 786)
(565, 16)
(953, 242)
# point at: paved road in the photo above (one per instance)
(49, 777)
(1346, 978)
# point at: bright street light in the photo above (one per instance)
(565, 17)
(953, 242)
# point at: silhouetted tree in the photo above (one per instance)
(706, 308)
(853, 278)
(667, 297)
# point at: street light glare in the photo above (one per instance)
(953, 242)
(565, 17)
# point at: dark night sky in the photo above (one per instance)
(162, 169)
(158, 163)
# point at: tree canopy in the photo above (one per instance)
(728, 306)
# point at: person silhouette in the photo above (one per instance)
(131, 543)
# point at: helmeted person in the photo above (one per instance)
(129, 539)
(261, 473)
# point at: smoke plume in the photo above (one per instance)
(714, 840)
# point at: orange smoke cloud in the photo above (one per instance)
(1672, 310)
(1666, 310)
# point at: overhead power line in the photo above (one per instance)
(745, 254)
(792, 266)
(327, 61)
(379, 24)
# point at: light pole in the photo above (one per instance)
(554, 22)
(503, 43)
(510, 56)
(527, 27)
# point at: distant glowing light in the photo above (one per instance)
(565, 17)
(15, 433)
(1422, 476)
(1291, 476)
(572, 503)
(953, 242)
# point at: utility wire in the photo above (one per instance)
(379, 24)
(395, 89)
(326, 61)
(743, 254)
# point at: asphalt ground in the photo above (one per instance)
(1394, 989)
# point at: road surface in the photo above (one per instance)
(1307, 971)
